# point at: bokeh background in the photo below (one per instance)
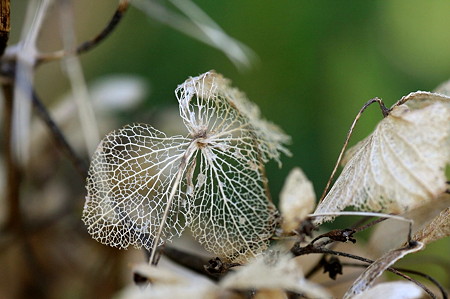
(317, 63)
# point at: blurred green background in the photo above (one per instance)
(317, 63)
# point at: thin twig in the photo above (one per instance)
(371, 214)
(368, 225)
(177, 181)
(79, 164)
(355, 229)
(74, 72)
(115, 20)
(384, 111)
(13, 173)
(310, 249)
(95, 41)
(426, 276)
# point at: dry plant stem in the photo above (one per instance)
(59, 138)
(398, 272)
(297, 250)
(5, 25)
(370, 224)
(424, 275)
(74, 72)
(354, 229)
(13, 173)
(412, 96)
(90, 44)
(384, 111)
(188, 260)
(175, 185)
(116, 18)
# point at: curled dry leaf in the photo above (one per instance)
(297, 199)
(401, 165)
(392, 233)
(437, 229)
(367, 278)
(395, 289)
(273, 273)
(144, 187)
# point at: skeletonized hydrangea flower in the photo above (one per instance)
(144, 188)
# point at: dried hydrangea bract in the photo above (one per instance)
(297, 200)
(427, 220)
(277, 272)
(368, 277)
(393, 289)
(144, 187)
(437, 229)
(401, 165)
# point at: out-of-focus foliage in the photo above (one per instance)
(318, 62)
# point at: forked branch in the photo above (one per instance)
(95, 41)
(310, 249)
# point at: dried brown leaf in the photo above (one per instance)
(274, 273)
(401, 165)
(391, 233)
(438, 228)
(376, 269)
(297, 199)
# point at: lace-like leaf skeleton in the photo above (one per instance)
(144, 187)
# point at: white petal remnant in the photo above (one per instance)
(140, 181)
(367, 278)
(394, 289)
(273, 273)
(391, 233)
(401, 164)
(297, 199)
(169, 280)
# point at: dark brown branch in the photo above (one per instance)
(297, 250)
(115, 20)
(191, 261)
(95, 41)
(346, 234)
(368, 225)
(13, 172)
(339, 235)
(5, 25)
(58, 136)
(188, 260)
